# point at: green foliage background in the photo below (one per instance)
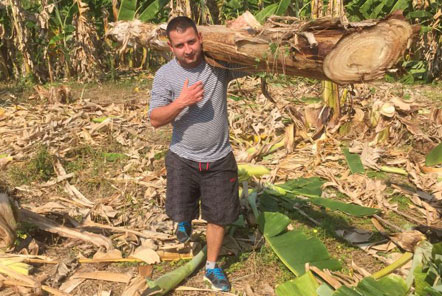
(53, 48)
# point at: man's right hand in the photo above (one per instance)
(190, 94)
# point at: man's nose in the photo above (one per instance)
(187, 48)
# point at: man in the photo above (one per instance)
(192, 96)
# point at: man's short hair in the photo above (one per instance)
(180, 24)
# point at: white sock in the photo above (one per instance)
(210, 265)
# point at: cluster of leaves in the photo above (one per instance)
(264, 8)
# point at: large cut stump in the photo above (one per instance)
(324, 48)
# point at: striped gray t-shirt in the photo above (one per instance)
(201, 131)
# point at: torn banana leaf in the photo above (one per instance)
(353, 161)
(391, 285)
(294, 248)
(434, 157)
(301, 286)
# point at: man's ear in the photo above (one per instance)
(170, 46)
(200, 36)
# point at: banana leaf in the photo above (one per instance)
(391, 285)
(311, 187)
(282, 7)
(170, 280)
(127, 10)
(347, 208)
(294, 248)
(434, 157)
(301, 286)
(152, 10)
(353, 161)
(266, 12)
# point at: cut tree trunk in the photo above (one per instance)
(323, 48)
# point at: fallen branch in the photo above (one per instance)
(47, 225)
(145, 234)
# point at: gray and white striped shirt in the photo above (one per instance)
(201, 131)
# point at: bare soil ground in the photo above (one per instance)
(100, 134)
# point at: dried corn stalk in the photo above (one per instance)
(324, 48)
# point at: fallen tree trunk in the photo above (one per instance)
(324, 48)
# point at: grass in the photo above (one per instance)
(38, 169)
(402, 201)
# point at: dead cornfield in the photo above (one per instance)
(85, 172)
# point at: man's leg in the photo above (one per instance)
(220, 206)
(182, 194)
(214, 274)
(214, 237)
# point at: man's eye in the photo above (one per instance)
(191, 42)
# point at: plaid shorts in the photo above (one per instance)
(215, 184)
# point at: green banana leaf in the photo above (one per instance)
(400, 5)
(301, 286)
(170, 280)
(282, 7)
(347, 208)
(434, 157)
(353, 161)
(266, 12)
(127, 10)
(273, 223)
(294, 248)
(311, 187)
(391, 285)
(152, 10)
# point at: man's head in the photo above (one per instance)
(185, 41)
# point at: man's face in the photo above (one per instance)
(186, 47)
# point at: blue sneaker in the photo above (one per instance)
(184, 231)
(217, 279)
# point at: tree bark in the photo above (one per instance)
(323, 48)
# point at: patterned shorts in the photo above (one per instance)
(215, 184)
